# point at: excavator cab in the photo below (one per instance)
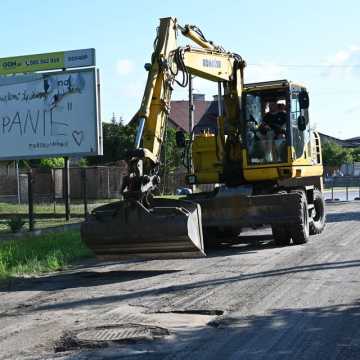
(277, 135)
(267, 124)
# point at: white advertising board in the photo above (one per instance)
(50, 114)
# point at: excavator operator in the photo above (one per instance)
(275, 119)
(273, 131)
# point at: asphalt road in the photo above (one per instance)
(249, 301)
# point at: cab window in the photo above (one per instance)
(266, 127)
(300, 136)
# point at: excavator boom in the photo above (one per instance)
(141, 225)
(268, 160)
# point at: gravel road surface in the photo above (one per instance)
(251, 300)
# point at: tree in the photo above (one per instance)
(118, 139)
(51, 163)
(335, 155)
(172, 157)
(356, 154)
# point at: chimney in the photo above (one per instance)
(199, 97)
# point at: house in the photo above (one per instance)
(179, 112)
(346, 143)
(206, 112)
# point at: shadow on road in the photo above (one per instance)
(313, 333)
(306, 333)
(81, 279)
(343, 216)
(243, 244)
(172, 289)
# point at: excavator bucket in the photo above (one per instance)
(127, 229)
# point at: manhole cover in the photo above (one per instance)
(121, 332)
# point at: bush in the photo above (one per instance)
(335, 155)
(48, 252)
(15, 223)
(52, 163)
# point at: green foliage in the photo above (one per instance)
(52, 163)
(34, 255)
(172, 158)
(335, 155)
(83, 162)
(118, 139)
(15, 223)
(356, 154)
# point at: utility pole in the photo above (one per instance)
(191, 124)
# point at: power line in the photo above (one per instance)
(307, 65)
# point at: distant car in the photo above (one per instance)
(183, 191)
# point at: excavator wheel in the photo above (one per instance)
(299, 230)
(281, 235)
(317, 224)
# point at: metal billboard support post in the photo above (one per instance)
(31, 200)
(84, 192)
(108, 182)
(18, 181)
(67, 188)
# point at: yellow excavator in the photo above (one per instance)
(262, 151)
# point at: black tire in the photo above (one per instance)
(299, 230)
(281, 235)
(317, 223)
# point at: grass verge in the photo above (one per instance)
(34, 255)
(39, 224)
(76, 207)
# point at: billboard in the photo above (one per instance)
(47, 61)
(50, 114)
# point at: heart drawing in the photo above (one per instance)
(78, 136)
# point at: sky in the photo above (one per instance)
(316, 43)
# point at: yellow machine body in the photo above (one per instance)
(269, 172)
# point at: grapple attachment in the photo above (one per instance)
(127, 229)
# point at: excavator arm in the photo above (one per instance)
(141, 225)
(168, 60)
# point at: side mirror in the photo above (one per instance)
(301, 123)
(180, 139)
(304, 100)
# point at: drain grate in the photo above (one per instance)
(193, 312)
(102, 336)
(121, 333)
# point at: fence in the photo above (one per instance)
(342, 188)
(102, 182)
(43, 199)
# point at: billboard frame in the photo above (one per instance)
(25, 64)
(98, 128)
